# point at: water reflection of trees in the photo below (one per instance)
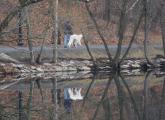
(131, 104)
(116, 99)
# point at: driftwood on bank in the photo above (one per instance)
(72, 70)
(13, 66)
(7, 59)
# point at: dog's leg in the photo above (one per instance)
(75, 43)
(70, 42)
(78, 42)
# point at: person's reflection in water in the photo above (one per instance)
(67, 100)
(59, 96)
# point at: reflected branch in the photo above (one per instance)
(146, 85)
(107, 109)
(86, 94)
(54, 97)
(103, 96)
(161, 113)
(120, 95)
(131, 97)
(38, 82)
(30, 100)
(20, 105)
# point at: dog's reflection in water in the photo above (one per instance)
(71, 94)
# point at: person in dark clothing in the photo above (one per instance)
(67, 33)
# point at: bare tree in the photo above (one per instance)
(54, 17)
(15, 11)
(162, 24)
(20, 105)
(29, 37)
(136, 27)
(107, 14)
(122, 27)
(98, 31)
(20, 32)
(30, 100)
(146, 29)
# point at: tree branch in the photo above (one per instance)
(14, 12)
(98, 31)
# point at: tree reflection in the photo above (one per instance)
(88, 89)
(133, 101)
(20, 106)
(29, 104)
(146, 95)
(38, 82)
(162, 110)
(129, 101)
(118, 97)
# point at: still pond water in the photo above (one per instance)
(101, 97)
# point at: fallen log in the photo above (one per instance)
(7, 59)
(13, 66)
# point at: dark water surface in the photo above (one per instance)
(108, 97)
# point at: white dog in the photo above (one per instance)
(75, 40)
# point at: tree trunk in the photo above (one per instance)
(88, 49)
(162, 24)
(146, 30)
(133, 36)
(107, 11)
(30, 100)
(29, 37)
(39, 57)
(54, 16)
(121, 31)
(98, 31)
(20, 33)
(20, 105)
(54, 98)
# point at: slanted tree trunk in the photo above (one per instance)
(39, 57)
(121, 31)
(88, 49)
(98, 31)
(136, 27)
